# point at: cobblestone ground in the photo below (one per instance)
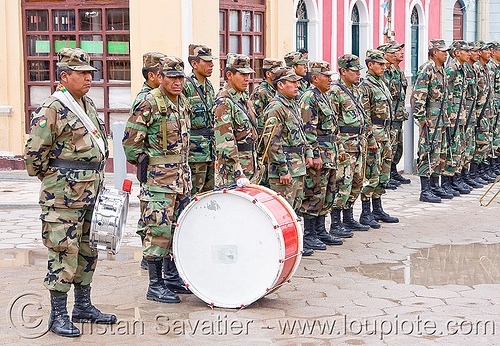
(432, 279)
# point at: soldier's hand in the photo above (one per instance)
(317, 163)
(286, 179)
(243, 182)
(373, 148)
(309, 162)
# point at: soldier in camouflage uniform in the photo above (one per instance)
(159, 128)
(289, 154)
(428, 102)
(200, 93)
(344, 99)
(320, 127)
(236, 125)
(68, 157)
(299, 64)
(376, 101)
(494, 66)
(484, 111)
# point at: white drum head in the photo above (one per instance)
(227, 249)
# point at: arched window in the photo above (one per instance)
(458, 21)
(414, 42)
(302, 22)
(355, 30)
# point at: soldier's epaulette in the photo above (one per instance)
(150, 98)
(49, 101)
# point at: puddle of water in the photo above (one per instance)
(468, 265)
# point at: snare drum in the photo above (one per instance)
(108, 220)
(232, 247)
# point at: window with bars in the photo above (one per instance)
(98, 27)
(301, 27)
(242, 31)
(414, 20)
(355, 30)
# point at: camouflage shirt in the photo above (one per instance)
(484, 91)
(144, 134)
(456, 84)
(232, 127)
(494, 68)
(262, 95)
(376, 102)
(396, 82)
(140, 96)
(201, 147)
(58, 133)
(288, 133)
(302, 87)
(320, 126)
(429, 92)
(348, 114)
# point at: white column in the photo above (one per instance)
(483, 19)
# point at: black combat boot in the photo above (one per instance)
(336, 228)
(474, 174)
(84, 311)
(379, 214)
(492, 166)
(398, 177)
(468, 180)
(426, 194)
(483, 172)
(59, 322)
(350, 223)
(457, 184)
(392, 184)
(172, 279)
(446, 185)
(438, 190)
(157, 290)
(311, 240)
(323, 235)
(307, 252)
(497, 165)
(366, 217)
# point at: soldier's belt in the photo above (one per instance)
(351, 129)
(434, 104)
(168, 159)
(469, 103)
(206, 132)
(326, 138)
(246, 146)
(497, 96)
(383, 122)
(298, 150)
(455, 100)
(72, 164)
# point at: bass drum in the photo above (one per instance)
(232, 247)
(108, 220)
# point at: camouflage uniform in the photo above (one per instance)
(202, 142)
(235, 129)
(67, 195)
(470, 101)
(295, 58)
(376, 101)
(166, 191)
(320, 127)
(494, 67)
(264, 92)
(288, 146)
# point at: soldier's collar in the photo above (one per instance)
(236, 95)
(287, 101)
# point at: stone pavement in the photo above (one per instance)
(432, 279)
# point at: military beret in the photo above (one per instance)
(239, 62)
(269, 63)
(172, 66)
(396, 45)
(201, 51)
(294, 58)
(284, 74)
(375, 55)
(349, 61)
(321, 67)
(387, 48)
(438, 44)
(75, 59)
(152, 59)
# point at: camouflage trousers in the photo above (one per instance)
(349, 181)
(454, 156)
(65, 233)
(437, 157)
(159, 213)
(292, 193)
(470, 144)
(496, 135)
(397, 141)
(319, 191)
(202, 176)
(483, 141)
(378, 170)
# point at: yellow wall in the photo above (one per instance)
(279, 28)
(11, 77)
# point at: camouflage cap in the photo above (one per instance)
(172, 66)
(482, 45)
(387, 48)
(376, 55)
(269, 63)
(495, 45)
(152, 59)
(294, 58)
(75, 59)
(438, 44)
(201, 51)
(459, 45)
(320, 66)
(349, 61)
(396, 45)
(239, 62)
(284, 74)
(473, 46)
